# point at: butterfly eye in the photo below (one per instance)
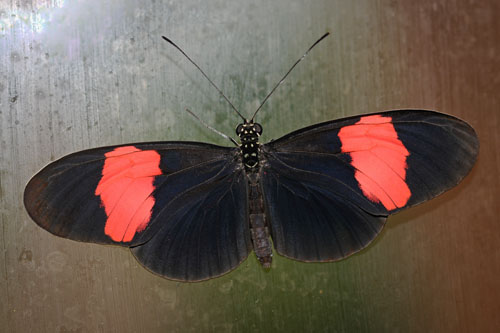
(257, 128)
(239, 129)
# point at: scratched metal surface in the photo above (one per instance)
(82, 74)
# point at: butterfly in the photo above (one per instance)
(191, 211)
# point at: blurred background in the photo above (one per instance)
(77, 74)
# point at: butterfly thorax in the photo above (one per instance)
(249, 133)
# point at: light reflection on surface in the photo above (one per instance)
(33, 19)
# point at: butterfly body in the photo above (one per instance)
(249, 133)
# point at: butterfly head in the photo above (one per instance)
(249, 132)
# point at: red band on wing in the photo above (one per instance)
(125, 190)
(379, 158)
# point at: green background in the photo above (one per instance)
(83, 74)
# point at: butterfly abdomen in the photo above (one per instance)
(259, 230)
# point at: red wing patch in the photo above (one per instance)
(379, 158)
(125, 190)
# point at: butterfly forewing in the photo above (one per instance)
(339, 180)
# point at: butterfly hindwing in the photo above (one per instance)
(206, 230)
(132, 195)
(339, 180)
(311, 218)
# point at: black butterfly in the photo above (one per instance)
(191, 211)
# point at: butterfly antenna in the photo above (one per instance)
(205, 75)
(211, 128)
(284, 77)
